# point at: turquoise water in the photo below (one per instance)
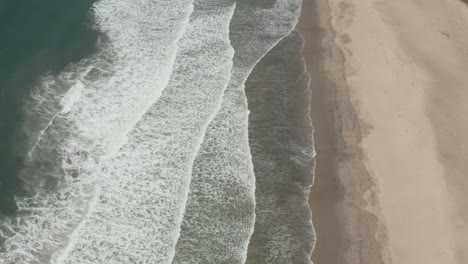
(36, 37)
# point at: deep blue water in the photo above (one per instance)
(36, 36)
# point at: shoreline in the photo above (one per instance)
(345, 222)
(388, 102)
(325, 192)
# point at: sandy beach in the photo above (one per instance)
(389, 86)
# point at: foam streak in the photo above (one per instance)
(223, 165)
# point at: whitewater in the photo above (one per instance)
(224, 163)
(281, 142)
(145, 153)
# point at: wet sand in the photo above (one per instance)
(345, 223)
(326, 191)
(389, 83)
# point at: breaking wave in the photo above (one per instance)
(145, 153)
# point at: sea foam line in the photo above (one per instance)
(72, 146)
(150, 176)
(224, 158)
(281, 136)
(65, 102)
(60, 255)
(227, 7)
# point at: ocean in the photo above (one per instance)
(154, 131)
(37, 38)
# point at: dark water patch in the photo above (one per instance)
(37, 36)
(265, 4)
(280, 137)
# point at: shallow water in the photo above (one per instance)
(280, 136)
(139, 152)
(224, 162)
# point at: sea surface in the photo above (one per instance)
(154, 131)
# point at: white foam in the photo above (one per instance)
(137, 216)
(72, 97)
(220, 213)
(282, 148)
(110, 170)
(82, 116)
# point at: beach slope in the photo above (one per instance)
(392, 139)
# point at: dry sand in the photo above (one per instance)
(390, 84)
